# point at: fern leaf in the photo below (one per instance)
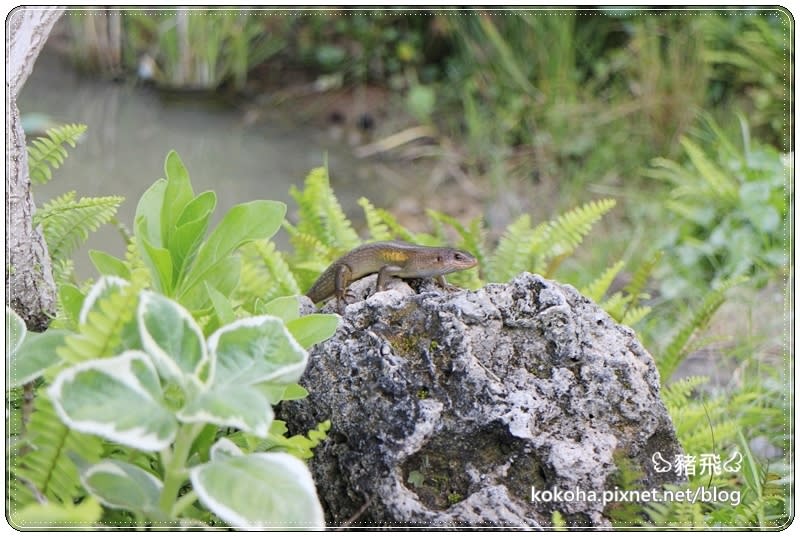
(512, 254)
(676, 350)
(633, 315)
(321, 215)
(313, 247)
(396, 228)
(265, 273)
(63, 270)
(47, 153)
(107, 324)
(569, 229)
(598, 288)
(639, 279)
(716, 178)
(615, 305)
(378, 229)
(48, 469)
(472, 238)
(676, 395)
(66, 223)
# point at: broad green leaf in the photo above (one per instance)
(117, 398)
(191, 229)
(272, 391)
(44, 515)
(173, 339)
(35, 355)
(275, 393)
(108, 265)
(176, 196)
(15, 331)
(254, 350)
(259, 491)
(71, 299)
(157, 259)
(147, 220)
(293, 392)
(243, 223)
(224, 277)
(221, 304)
(242, 407)
(121, 485)
(311, 329)
(104, 287)
(285, 308)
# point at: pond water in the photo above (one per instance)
(131, 128)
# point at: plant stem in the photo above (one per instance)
(183, 502)
(175, 473)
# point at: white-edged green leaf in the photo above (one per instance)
(121, 485)
(37, 353)
(15, 331)
(117, 398)
(254, 350)
(259, 491)
(173, 339)
(224, 448)
(315, 328)
(243, 407)
(103, 288)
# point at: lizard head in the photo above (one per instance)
(452, 260)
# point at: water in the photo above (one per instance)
(131, 129)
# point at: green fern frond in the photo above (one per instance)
(321, 215)
(568, 230)
(615, 305)
(265, 274)
(635, 287)
(396, 228)
(642, 274)
(512, 254)
(633, 315)
(698, 439)
(63, 270)
(107, 326)
(676, 395)
(66, 222)
(48, 467)
(471, 238)
(717, 179)
(675, 352)
(47, 153)
(311, 246)
(377, 228)
(598, 288)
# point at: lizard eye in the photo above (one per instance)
(458, 256)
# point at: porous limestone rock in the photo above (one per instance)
(449, 409)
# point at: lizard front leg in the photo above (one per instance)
(446, 286)
(383, 276)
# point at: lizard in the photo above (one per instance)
(388, 258)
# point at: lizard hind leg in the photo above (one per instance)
(341, 281)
